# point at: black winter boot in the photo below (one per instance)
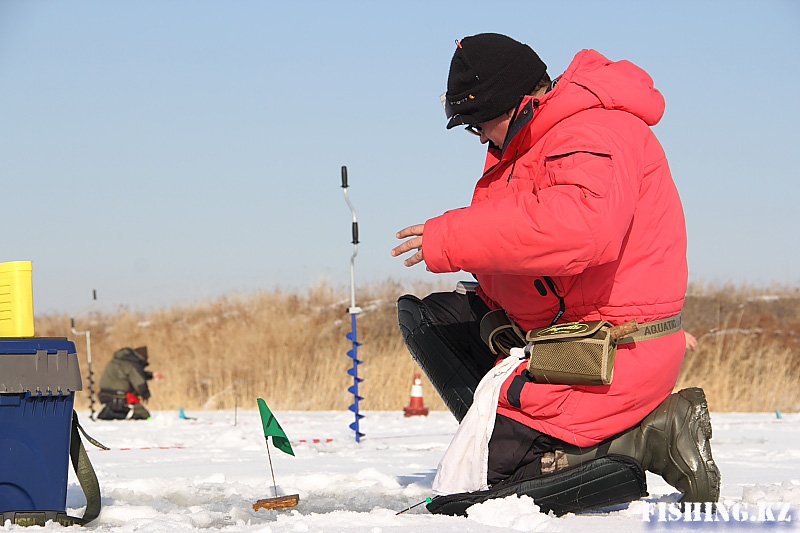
(672, 441)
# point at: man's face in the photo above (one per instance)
(495, 130)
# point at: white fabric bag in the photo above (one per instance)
(465, 463)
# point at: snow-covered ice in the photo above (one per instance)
(171, 474)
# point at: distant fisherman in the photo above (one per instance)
(123, 385)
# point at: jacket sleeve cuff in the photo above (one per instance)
(433, 249)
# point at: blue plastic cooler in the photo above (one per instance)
(38, 380)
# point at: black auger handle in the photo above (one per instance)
(344, 186)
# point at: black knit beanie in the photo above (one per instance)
(489, 73)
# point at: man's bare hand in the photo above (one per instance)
(414, 243)
(691, 341)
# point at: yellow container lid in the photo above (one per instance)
(16, 299)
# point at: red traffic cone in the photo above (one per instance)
(415, 406)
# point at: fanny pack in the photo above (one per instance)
(574, 353)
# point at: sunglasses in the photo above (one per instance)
(473, 129)
(448, 110)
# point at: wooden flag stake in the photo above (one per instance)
(277, 502)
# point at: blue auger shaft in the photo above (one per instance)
(353, 310)
(353, 354)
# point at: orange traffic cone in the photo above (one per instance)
(415, 406)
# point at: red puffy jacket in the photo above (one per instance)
(580, 202)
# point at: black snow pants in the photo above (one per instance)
(442, 332)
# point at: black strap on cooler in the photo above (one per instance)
(86, 477)
(84, 472)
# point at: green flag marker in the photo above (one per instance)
(280, 441)
(273, 429)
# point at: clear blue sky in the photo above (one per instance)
(168, 151)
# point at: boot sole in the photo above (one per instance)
(699, 426)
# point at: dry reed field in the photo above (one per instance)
(290, 348)
(748, 357)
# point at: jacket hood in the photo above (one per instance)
(591, 81)
(127, 354)
(617, 85)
